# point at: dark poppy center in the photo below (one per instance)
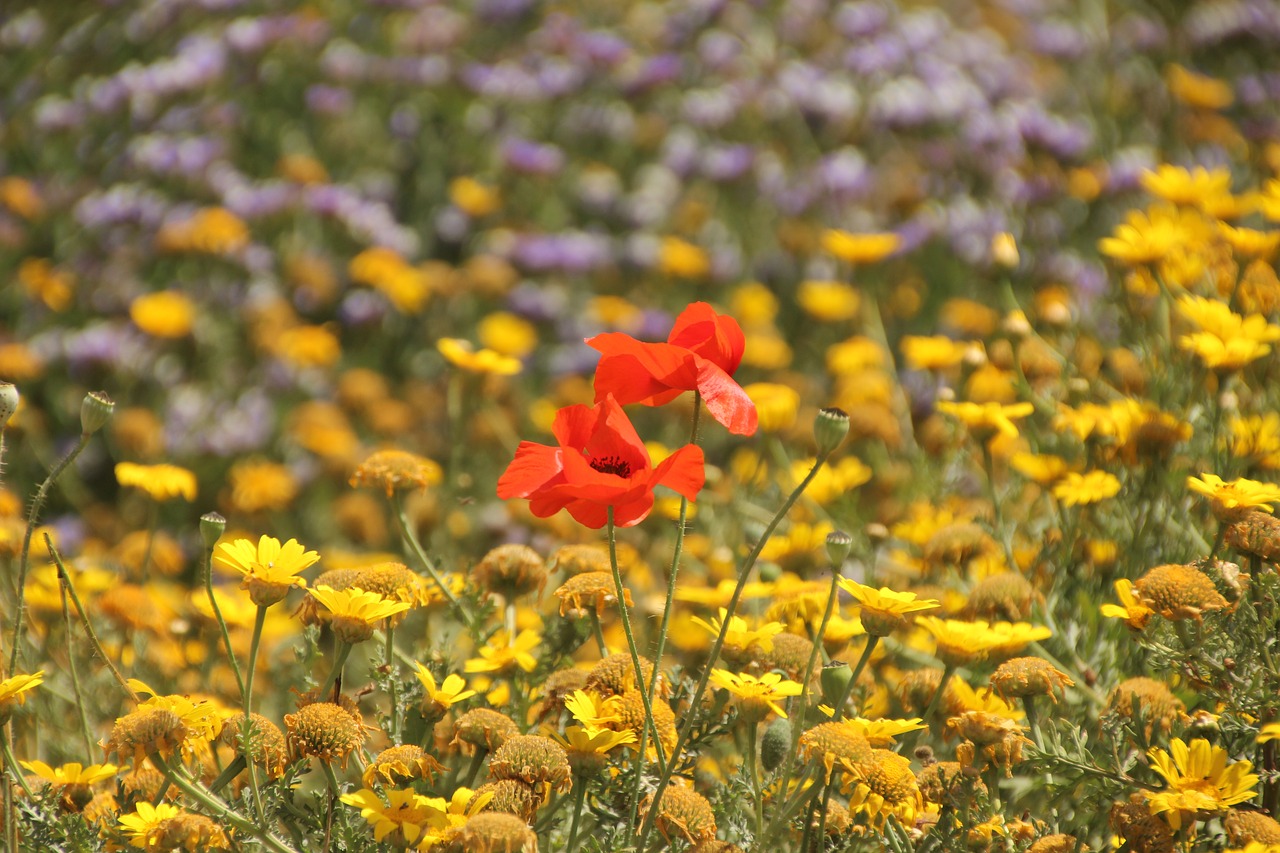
(612, 465)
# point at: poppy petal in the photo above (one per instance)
(725, 399)
(636, 372)
(684, 471)
(615, 444)
(716, 337)
(573, 425)
(533, 466)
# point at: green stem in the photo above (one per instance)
(948, 671)
(406, 530)
(753, 770)
(12, 765)
(1033, 720)
(339, 660)
(222, 623)
(473, 769)
(37, 503)
(872, 640)
(797, 727)
(599, 634)
(579, 798)
(220, 809)
(75, 679)
(259, 621)
(64, 579)
(649, 724)
(676, 553)
(395, 682)
(695, 702)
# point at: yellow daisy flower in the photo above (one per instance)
(354, 612)
(161, 482)
(1233, 500)
(1199, 781)
(462, 354)
(756, 696)
(502, 653)
(269, 569)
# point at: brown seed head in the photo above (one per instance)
(1007, 596)
(266, 742)
(1153, 698)
(682, 813)
(140, 733)
(494, 832)
(533, 759)
(323, 730)
(1245, 827)
(1178, 592)
(1028, 676)
(511, 796)
(511, 570)
(482, 728)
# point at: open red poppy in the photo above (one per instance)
(600, 463)
(701, 354)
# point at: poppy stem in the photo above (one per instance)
(695, 702)
(222, 622)
(649, 723)
(37, 503)
(64, 578)
(414, 545)
(75, 680)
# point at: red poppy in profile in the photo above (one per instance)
(600, 463)
(701, 354)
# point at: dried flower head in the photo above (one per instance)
(1150, 698)
(1144, 832)
(1178, 592)
(397, 765)
(887, 787)
(533, 759)
(189, 832)
(511, 570)
(616, 674)
(1257, 535)
(835, 743)
(577, 559)
(396, 470)
(144, 731)
(1008, 596)
(1028, 676)
(267, 745)
(589, 589)
(323, 730)
(494, 832)
(513, 797)
(682, 813)
(482, 728)
(948, 784)
(1250, 827)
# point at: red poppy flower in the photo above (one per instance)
(600, 463)
(701, 354)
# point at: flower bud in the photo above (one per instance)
(212, 525)
(8, 402)
(770, 572)
(775, 744)
(830, 428)
(95, 411)
(835, 681)
(838, 545)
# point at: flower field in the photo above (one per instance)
(501, 426)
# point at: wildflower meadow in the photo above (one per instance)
(717, 426)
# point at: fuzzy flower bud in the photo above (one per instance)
(8, 402)
(830, 428)
(212, 525)
(838, 545)
(95, 411)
